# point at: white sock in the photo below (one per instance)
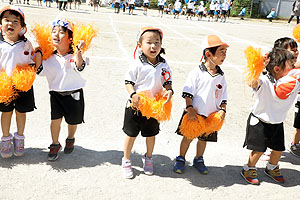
(246, 167)
(270, 166)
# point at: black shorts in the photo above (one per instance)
(24, 103)
(176, 11)
(213, 137)
(146, 5)
(261, 135)
(117, 5)
(297, 116)
(134, 123)
(160, 7)
(131, 6)
(200, 13)
(211, 12)
(224, 12)
(69, 106)
(189, 11)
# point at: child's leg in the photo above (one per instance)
(296, 138)
(201, 145)
(129, 141)
(275, 157)
(71, 131)
(21, 120)
(253, 158)
(55, 130)
(184, 146)
(150, 141)
(5, 122)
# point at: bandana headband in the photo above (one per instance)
(64, 23)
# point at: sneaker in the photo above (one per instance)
(250, 176)
(295, 150)
(6, 146)
(275, 174)
(69, 146)
(53, 153)
(200, 166)
(18, 145)
(127, 169)
(147, 165)
(179, 165)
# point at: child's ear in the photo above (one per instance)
(276, 69)
(208, 54)
(139, 45)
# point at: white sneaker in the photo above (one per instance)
(127, 170)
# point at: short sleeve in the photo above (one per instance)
(167, 75)
(131, 75)
(189, 86)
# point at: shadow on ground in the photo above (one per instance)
(84, 158)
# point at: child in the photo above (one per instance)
(14, 49)
(146, 6)
(150, 74)
(291, 45)
(190, 8)
(200, 10)
(177, 8)
(265, 122)
(212, 9)
(131, 4)
(224, 11)
(77, 2)
(205, 92)
(62, 71)
(117, 6)
(161, 6)
(272, 15)
(96, 5)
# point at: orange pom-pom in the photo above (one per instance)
(255, 64)
(201, 126)
(296, 33)
(42, 34)
(7, 93)
(155, 108)
(85, 33)
(23, 77)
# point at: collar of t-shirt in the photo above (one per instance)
(144, 59)
(22, 39)
(204, 68)
(70, 52)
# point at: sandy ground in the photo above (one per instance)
(93, 171)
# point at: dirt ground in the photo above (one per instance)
(93, 170)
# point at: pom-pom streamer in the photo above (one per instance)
(202, 126)
(42, 34)
(255, 64)
(23, 77)
(85, 33)
(155, 108)
(296, 33)
(7, 93)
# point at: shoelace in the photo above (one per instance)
(252, 173)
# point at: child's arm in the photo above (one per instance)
(169, 93)
(133, 95)
(78, 56)
(192, 114)
(222, 110)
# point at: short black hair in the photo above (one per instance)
(278, 57)
(211, 50)
(15, 13)
(285, 43)
(155, 31)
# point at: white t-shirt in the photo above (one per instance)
(225, 6)
(200, 8)
(131, 2)
(146, 1)
(161, 2)
(13, 54)
(217, 6)
(212, 6)
(148, 78)
(177, 5)
(268, 107)
(117, 1)
(190, 4)
(61, 73)
(207, 91)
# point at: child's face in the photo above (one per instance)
(220, 55)
(294, 51)
(280, 72)
(60, 38)
(11, 25)
(151, 45)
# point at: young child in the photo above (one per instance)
(62, 71)
(131, 4)
(149, 74)
(291, 45)
(15, 49)
(177, 8)
(205, 92)
(190, 8)
(265, 122)
(212, 9)
(161, 6)
(117, 6)
(146, 6)
(200, 10)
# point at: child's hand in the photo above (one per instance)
(135, 100)
(222, 114)
(168, 94)
(192, 114)
(80, 45)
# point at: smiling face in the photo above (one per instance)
(219, 56)
(294, 51)
(60, 38)
(150, 45)
(11, 26)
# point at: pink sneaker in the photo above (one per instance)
(6, 146)
(18, 145)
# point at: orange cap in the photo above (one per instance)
(212, 41)
(12, 7)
